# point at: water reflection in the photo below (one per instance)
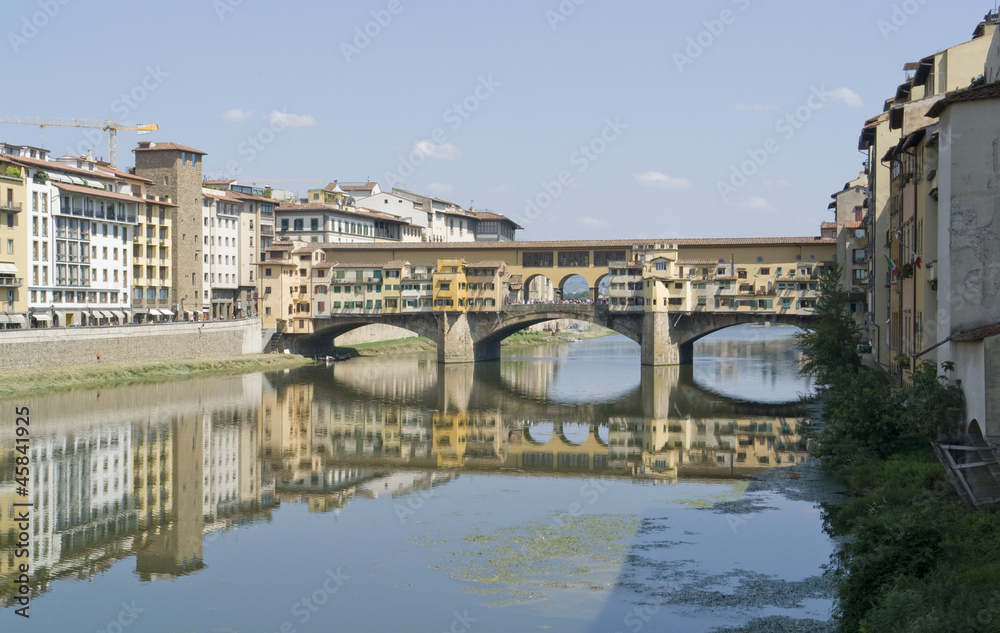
(152, 471)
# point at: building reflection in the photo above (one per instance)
(143, 471)
(148, 471)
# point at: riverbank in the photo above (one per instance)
(16, 383)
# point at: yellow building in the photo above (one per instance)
(450, 285)
(14, 246)
(485, 281)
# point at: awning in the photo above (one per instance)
(167, 312)
(16, 318)
(155, 312)
(42, 317)
(106, 315)
(140, 310)
(8, 269)
(3, 318)
(120, 315)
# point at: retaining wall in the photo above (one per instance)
(54, 347)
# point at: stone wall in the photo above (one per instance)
(373, 334)
(57, 347)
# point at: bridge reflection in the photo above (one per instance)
(493, 416)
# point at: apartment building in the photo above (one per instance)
(81, 225)
(13, 245)
(852, 242)
(931, 209)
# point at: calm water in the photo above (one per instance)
(565, 488)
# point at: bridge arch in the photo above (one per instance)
(327, 330)
(490, 334)
(566, 278)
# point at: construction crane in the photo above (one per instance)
(110, 127)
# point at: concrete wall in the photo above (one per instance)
(57, 347)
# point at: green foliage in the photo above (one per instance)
(831, 345)
(268, 192)
(863, 418)
(934, 402)
(13, 172)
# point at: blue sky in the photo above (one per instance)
(582, 119)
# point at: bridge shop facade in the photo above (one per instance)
(468, 297)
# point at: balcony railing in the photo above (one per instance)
(11, 207)
(11, 282)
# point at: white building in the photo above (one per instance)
(221, 214)
(82, 222)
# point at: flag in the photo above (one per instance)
(916, 258)
(892, 265)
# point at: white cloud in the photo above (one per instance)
(446, 151)
(592, 222)
(846, 96)
(756, 107)
(440, 188)
(280, 119)
(236, 115)
(755, 203)
(661, 180)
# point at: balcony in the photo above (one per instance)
(11, 207)
(11, 282)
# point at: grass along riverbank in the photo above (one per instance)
(104, 374)
(914, 559)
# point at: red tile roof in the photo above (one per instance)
(100, 193)
(977, 93)
(977, 334)
(852, 225)
(160, 147)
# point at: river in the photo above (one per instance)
(565, 488)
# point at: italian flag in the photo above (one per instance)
(892, 265)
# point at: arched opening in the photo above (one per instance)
(574, 289)
(538, 289)
(539, 433)
(576, 433)
(603, 289)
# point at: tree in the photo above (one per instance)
(831, 345)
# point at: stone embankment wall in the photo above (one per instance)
(63, 347)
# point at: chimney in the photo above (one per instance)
(145, 144)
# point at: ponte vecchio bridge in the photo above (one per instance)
(467, 297)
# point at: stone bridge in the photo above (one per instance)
(665, 338)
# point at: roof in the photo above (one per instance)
(977, 334)
(106, 167)
(489, 215)
(217, 182)
(162, 147)
(828, 225)
(100, 193)
(357, 265)
(640, 244)
(853, 225)
(977, 93)
(368, 186)
(396, 264)
(493, 263)
(50, 165)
